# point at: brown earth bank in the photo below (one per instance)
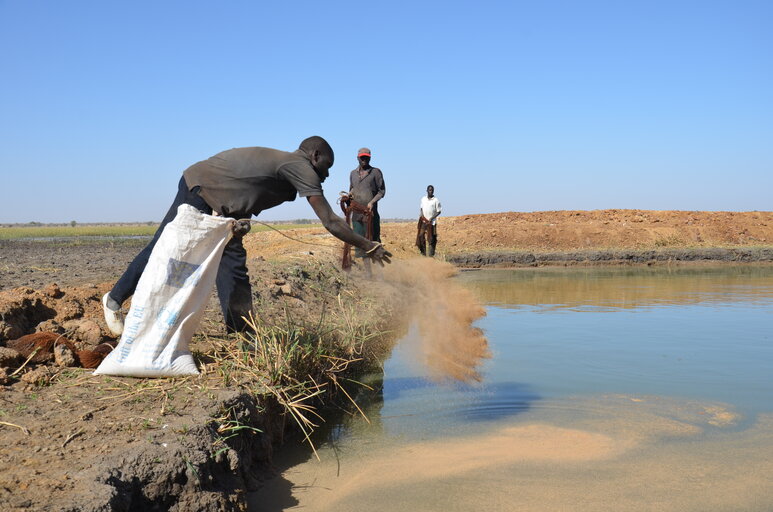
(600, 236)
(510, 238)
(74, 441)
(572, 237)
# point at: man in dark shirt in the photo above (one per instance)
(239, 183)
(366, 187)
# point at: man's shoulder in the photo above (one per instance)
(257, 153)
(250, 149)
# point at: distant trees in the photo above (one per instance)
(73, 223)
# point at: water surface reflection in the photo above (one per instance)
(626, 288)
(608, 389)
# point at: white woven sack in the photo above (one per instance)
(170, 297)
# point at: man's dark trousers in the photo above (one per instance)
(359, 227)
(233, 283)
(426, 238)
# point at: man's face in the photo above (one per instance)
(364, 160)
(322, 163)
(430, 191)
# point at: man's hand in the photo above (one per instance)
(241, 228)
(379, 254)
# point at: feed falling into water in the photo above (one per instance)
(448, 345)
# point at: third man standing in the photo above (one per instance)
(430, 208)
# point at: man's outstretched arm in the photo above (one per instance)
(338, 228)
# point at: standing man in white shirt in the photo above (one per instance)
(426, 239)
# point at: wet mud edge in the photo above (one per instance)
(612, 257)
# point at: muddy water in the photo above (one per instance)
(606, 389)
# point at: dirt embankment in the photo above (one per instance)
(568, 237)
(572, 231)
(598, 237)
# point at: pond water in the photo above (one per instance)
(606, 389)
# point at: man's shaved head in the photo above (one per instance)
(317, 143)
(320, 154)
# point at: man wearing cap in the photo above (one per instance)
(366, 187)
(429, 209)
(240, 183)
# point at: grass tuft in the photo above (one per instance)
(299, 366)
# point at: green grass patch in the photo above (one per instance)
(15, 232)
(107, 230)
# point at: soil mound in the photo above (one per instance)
(570, 236)
(54, 309)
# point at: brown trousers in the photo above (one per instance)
(426, 237)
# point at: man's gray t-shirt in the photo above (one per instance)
(241, 182)
(366, 188)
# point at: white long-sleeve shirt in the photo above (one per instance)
(430, 208)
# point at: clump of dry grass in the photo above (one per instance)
(300, 366)
(672, 240)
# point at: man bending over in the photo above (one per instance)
(240, 183)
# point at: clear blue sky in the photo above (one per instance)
(503, 106)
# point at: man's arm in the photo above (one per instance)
(380, 187)
(437, 211)
(422, 218)
(338, 228)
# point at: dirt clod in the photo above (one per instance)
(9, 357)
(53, 291)
(64, 356)
(50, 326)
(40, 376)
(85, 330)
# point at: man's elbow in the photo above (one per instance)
(329, 221)
(328, 224)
